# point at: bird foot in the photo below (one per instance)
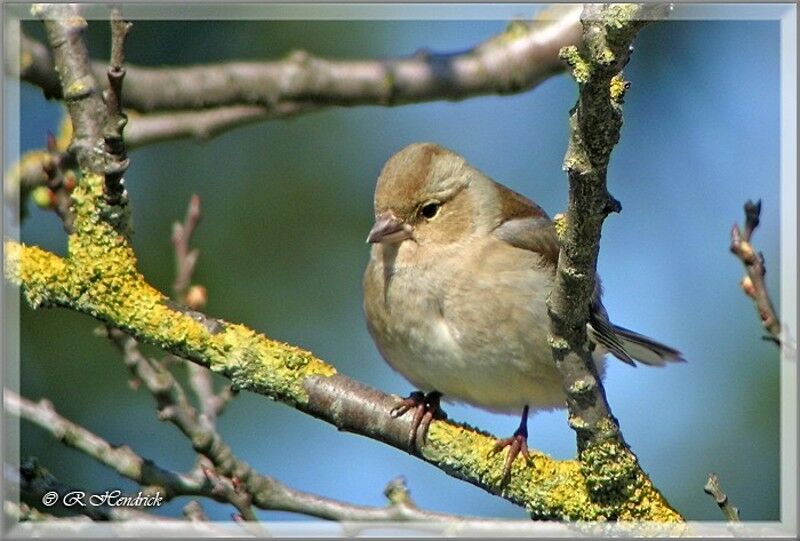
(426, 409)
(517, 445)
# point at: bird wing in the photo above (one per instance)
(526, 226)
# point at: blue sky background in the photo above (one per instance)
(287, 206)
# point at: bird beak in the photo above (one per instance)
(389, 229)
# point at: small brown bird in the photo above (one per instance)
(455, 292)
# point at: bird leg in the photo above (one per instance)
(517, 444)
(426, 409)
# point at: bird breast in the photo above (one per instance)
(469, 323)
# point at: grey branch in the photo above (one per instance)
(122, 458)
(116, 118)
(513, 61)
(203, 124)
(82, 92)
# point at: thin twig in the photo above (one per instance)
(753, 284)
(194, 512)
(712, 488)
(147, 129)
(272, 494)
(120, 458)
(116, 118)
(48, 177)
(185, 258)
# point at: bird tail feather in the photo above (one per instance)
(646, 350)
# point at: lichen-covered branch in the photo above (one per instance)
(110, 290)
(610, 467)
(753, 284)
(513, 61)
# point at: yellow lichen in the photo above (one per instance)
(581, 69)
(618, 87)
(77, 89)
(560, 223)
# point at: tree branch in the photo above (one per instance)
(80, 89)
(121, 459)
(513, 61)
(610, 467)
(116, 118)
(107, 286)
(203, 124)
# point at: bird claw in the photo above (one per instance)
(426, 409)
(517, 445)
(412, 401)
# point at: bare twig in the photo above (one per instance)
(48, 177)
(150, 128)
(185, 258)
(712, 488)
(23, 512)
(206, 482)
(116, 118)
(753, 284)
(243, 93)
(122, 458)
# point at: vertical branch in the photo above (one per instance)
(594, 130)
(185, 258)
(80, 90)
(97, 120)
(608, 31)
(116, 118)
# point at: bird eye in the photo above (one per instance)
(429, 210)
